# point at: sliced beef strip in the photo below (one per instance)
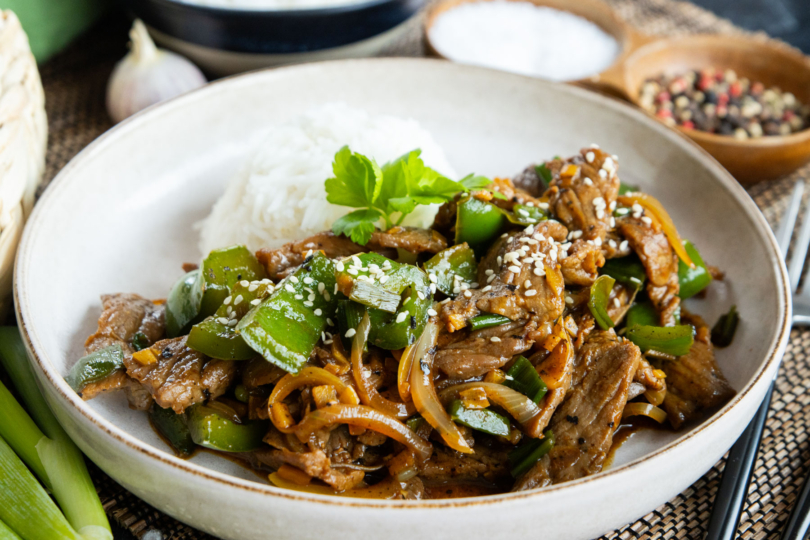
(695, 383)
(582, 201)
(124, 315)
(665, 298)
(581, 266)
(181, 376)
(652, 247)
(563, 375)
(281, 262)
(259, 372)
(621, 299)
(527, 283)
(478, 354)
(315, 463)
(412, 239)
(583, 425)
(446, 464)
(645, 374)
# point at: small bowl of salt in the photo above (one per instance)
(556, 40)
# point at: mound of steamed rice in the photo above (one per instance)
(279, 196)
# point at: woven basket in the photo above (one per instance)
(23, 139)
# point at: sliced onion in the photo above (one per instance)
(365, 388)
(644, 409)
(656, 397)
(404, 372)
(309, 376)
(365, 417)
(387, 489)
(520, 407)
(657, 209)
(424, 393)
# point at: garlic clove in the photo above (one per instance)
(148, 75)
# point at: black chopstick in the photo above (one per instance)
(797, 525)
(736, 477)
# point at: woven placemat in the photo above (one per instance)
(75, 85)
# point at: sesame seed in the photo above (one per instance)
(227, 301)
(587, 181)
(222, 320)
(340, 267)
(299, 296)
(308, 303)
(490, 278)
(329, 322)
(237, 300)
(602, 173)
(542, 205)
(253, 287)
(383, 279)
(233, 322)
(624, 245)
(487, 288)
(420, 294)
(489, 272)
(612, 244)
(308, 280)
(473, 285)
(539, 237)
(597, 241)
(612, 222)
(617, 303)
(467, 294)
(321, 288)
(647, 220)
(576, 234)
(246, 283)
(495, 339)
(589, 157)
(255, 302)
(446, 300)
(499, 260)
(612, 206)
(432, 278)
(569, 300)
(292, 278)
(514, 269)
(401, 317)
(326, 295)
(527, 284)
(350, 332)
(539, 272)
(432, 312)
(289, 288)
(529, 229)
(530, 292)
(523, 212)
(432, 288)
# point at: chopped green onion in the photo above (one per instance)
(70, 482)
(674, 340)
(598, 303)
(723, 331)
(627, 270)
(21, 433)
(95, 366)
(641, 314)
(139, 341)
(523, 377)
(626, 188)
(6, 533)
(487, 320)
(25, 507)
(544, 174)
(523, 458)
(482, 420)
(692, 280)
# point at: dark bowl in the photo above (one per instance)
(272, 32)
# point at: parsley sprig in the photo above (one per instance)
(387, 193)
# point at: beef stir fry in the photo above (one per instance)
(498, 350)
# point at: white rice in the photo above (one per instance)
(279, 196)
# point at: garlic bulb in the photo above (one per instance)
(148, 75)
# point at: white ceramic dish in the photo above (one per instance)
(119, 218)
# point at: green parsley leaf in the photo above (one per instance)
(357, 181)
(357, 225)
(472, 181)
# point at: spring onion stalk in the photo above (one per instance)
(21, 433)
(523, 377)
(6, 533)
(62, 460)
(25, 507)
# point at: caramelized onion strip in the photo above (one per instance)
(644, 409)
(520, 407)
(648, 202)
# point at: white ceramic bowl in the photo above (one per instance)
(119, 218)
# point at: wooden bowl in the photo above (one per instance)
(643, 57)
(773, 64)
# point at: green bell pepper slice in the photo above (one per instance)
(95, 366)
(641, 314)
(526, 215)
(183, 304)
(723, 332)
(174, 429)
(285, 326)
(523, 458)
(210, 430)
(674, 340)
(216, 336)
(487, 320)
(692, 280)
(598, 302)
(392, 331)
(222, 269)
(544, 175)
(478, 223)
(626, 270)
(452, 267)
(482, 420)
(523, 377)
